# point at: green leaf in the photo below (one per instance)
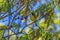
(1, 35)
(24, 37)
(2, 26)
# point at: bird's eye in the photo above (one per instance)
(32, 13)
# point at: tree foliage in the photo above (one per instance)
(29, 20)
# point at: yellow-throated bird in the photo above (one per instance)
(33, 17)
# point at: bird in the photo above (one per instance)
(33, 17)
